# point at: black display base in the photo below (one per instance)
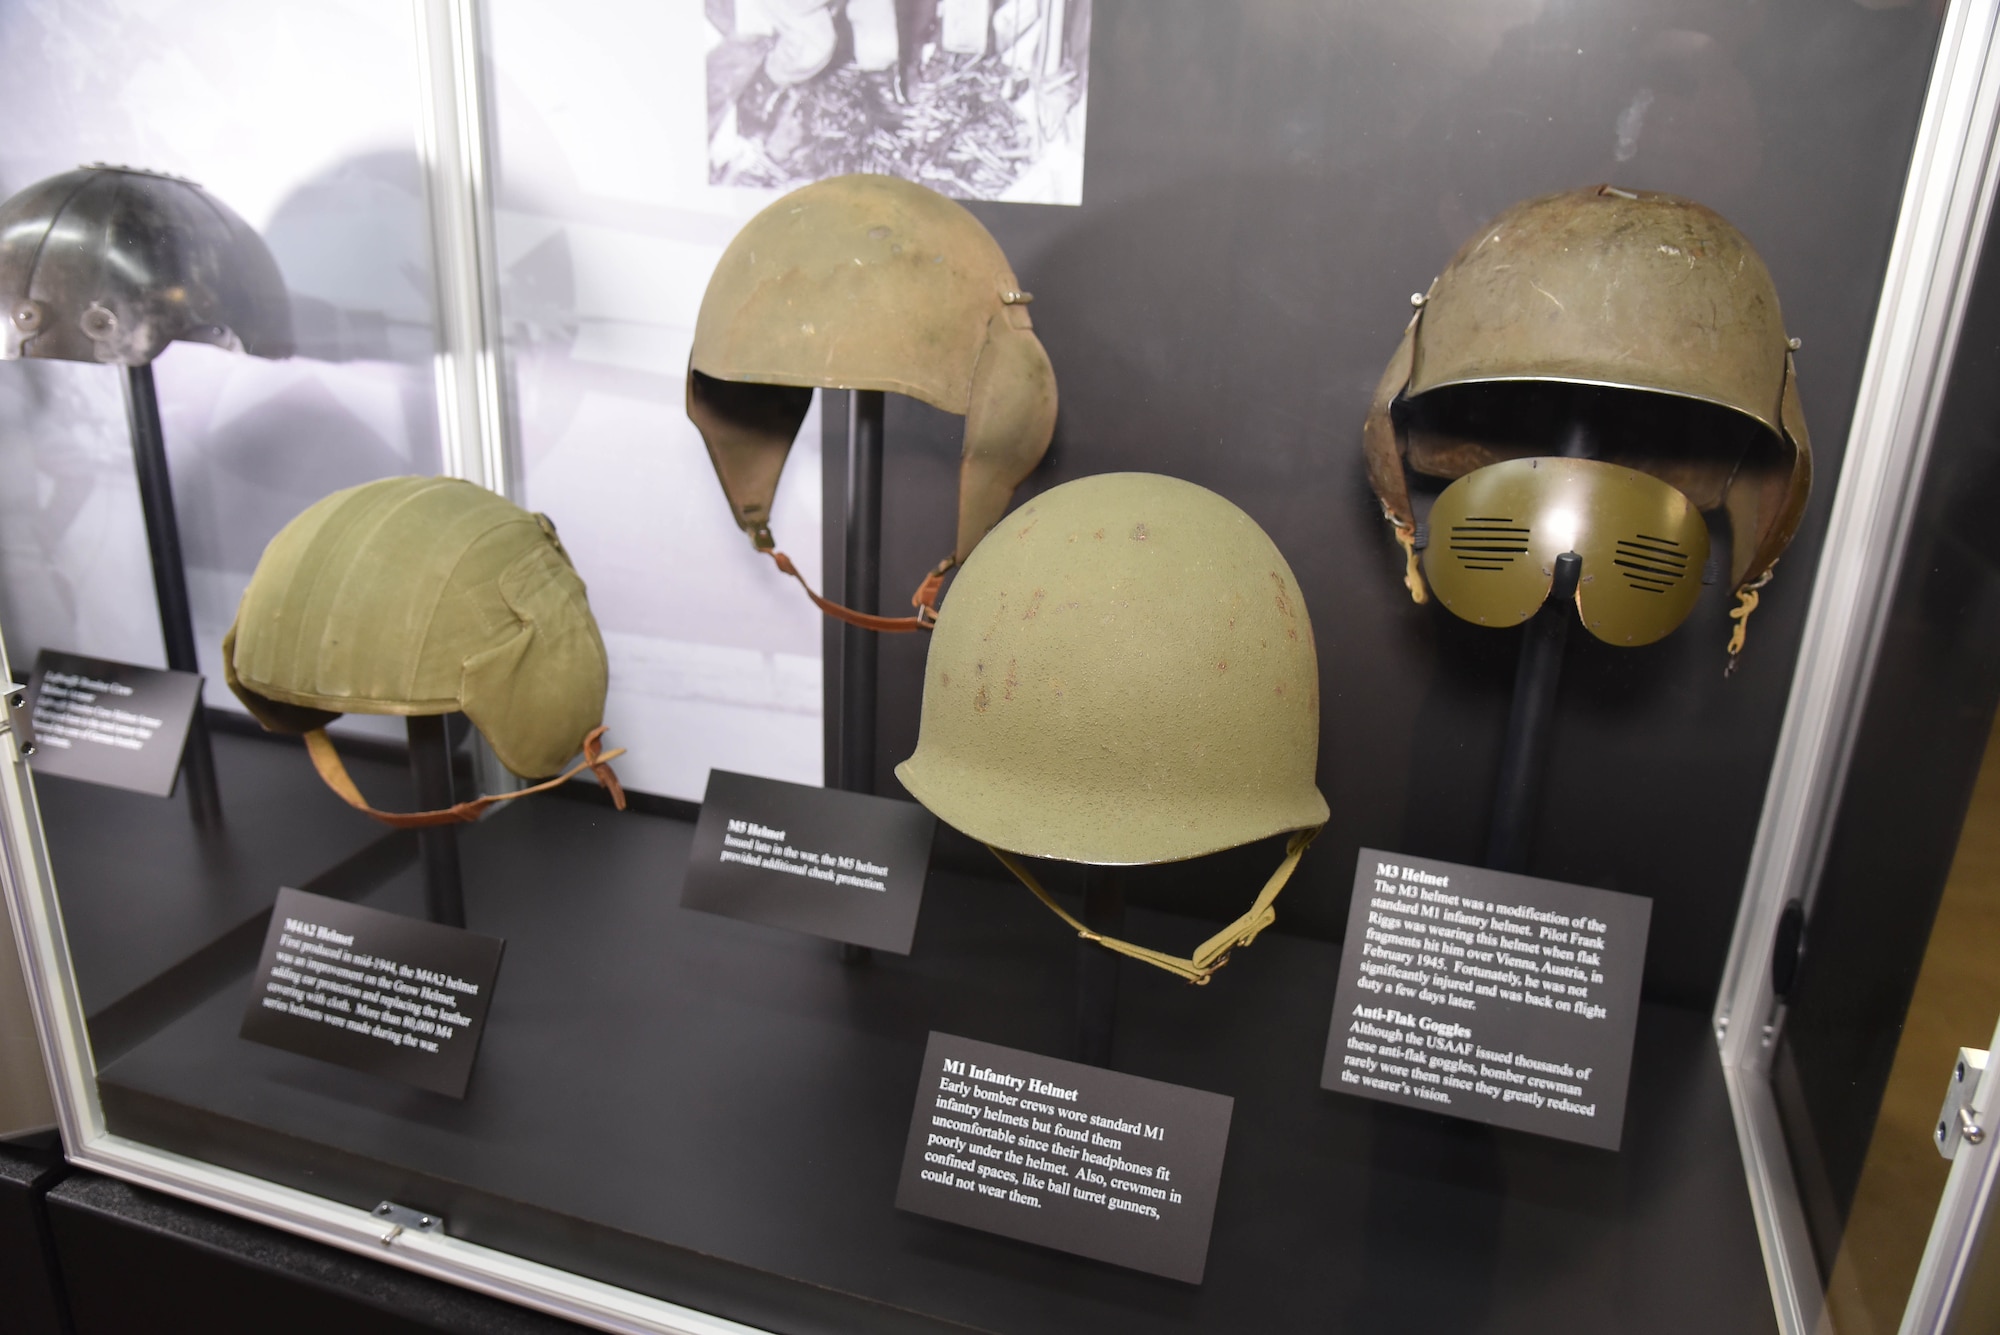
(31, 1297)
(715, 1113)
(134, 1260)
(160, 910)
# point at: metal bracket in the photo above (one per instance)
(1956, 1120)
(402, 1219)
(16, 718)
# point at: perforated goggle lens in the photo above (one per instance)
(1496, 532)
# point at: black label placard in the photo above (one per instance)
(845, 866)
(372, 990)
(1089, 1161)
(110, 723)
(1490, 996)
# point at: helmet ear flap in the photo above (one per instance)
(1008, 425)
(534, 695)
(749, 430)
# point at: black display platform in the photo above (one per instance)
(134, 1260)
(159, 910)
(715, 1112)
(31, 1297)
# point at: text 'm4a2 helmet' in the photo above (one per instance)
(868, 282)
(1643, 295)
(110, 264)
(1124, 674)
(416, 596)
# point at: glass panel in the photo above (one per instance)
(1901, 962)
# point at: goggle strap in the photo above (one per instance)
(334, 773)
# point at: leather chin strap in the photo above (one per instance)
(924, 599)
(327, 761)
(1211, 954)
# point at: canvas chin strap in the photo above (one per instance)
(1211, 954)
(924, 599)
(327, 761)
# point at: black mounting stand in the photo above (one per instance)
(163, 542)
(1524, 756)
(1096, 967)
(861, 589)
(437, 847)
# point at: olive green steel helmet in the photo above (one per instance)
(1497, 531)
(424, 595)
(1627, 290)
(868, 282)
(1124, 674)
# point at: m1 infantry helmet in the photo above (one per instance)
(1614, 291)
(1125, 674)
(874, 283)
(111, 264)
(424, 595)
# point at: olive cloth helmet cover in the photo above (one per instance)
(1124, 674)
(868, 282)
(1630, 290)
(424, 595)
(110, 264)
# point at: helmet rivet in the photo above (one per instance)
(1795, 343)
(1416, 299)
(98, 322)
(28, 314)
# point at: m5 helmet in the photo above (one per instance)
(1602, 289)
(1125, 674)
(868, 282)
(416, 596)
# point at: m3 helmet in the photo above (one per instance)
(1655, 299)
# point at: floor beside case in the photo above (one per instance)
(152, 901)
(692, 1106)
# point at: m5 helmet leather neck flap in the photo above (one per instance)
(868, 282)
(1125, 674)
(1629, 291)
(424, 595)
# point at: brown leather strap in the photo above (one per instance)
(1383, 447)
(327, 761)
(1211, 954)
(924, 599)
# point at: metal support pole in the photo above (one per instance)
(437, 847)
(163, 543)
(1096, 967)
(1524, 757)
(861, 589)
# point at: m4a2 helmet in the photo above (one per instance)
(416, 596)
(1124, 674)
(1649, 304)
(874, 283)
(111, 264)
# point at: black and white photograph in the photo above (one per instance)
(973, 98)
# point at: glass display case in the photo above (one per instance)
(496, 226)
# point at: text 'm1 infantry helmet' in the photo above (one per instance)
(424, 595)
(1629, 292)
(110, 264)
(868, 282)
(1124, 674)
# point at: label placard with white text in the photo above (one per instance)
(846, 866)
(111, 723)
(1485, 995)
(1085, 1160)
(375, 991)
